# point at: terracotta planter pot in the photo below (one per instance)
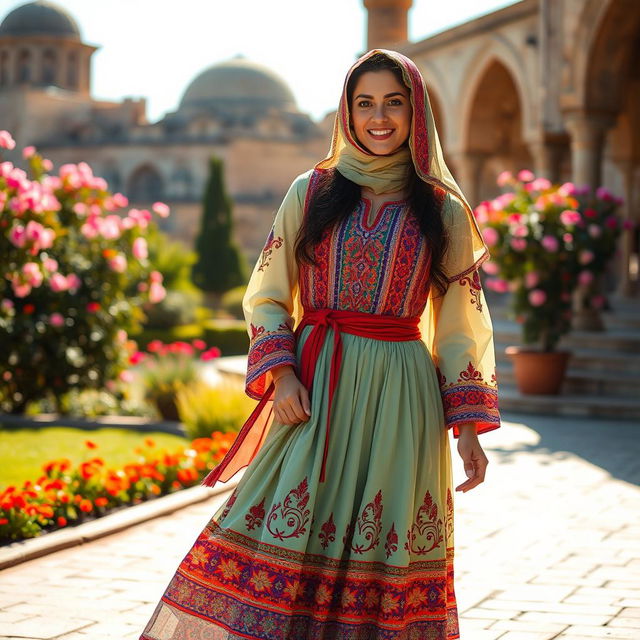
(538, 372)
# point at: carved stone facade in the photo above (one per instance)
(237, 110)
(550, 85)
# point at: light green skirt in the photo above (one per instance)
(365, 555)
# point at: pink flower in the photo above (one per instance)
(56, 319)
(50, 264)
(531, 279)
(505, 177)
(585, 256)
(490, 267)
(567, 237)
(537, 297)
(209, 354)
(594, 231)
(73, 282)
(19, 289)
(567, 189)
(503, 200)
(29, 151)
(514, 217)
(550, 243)
(6, 140)
(590, 213)
(110, 227)
(518, 244)
(156, 292)
(497, 284)
(126, 376)
(161, 209)
(525, 175)
(570, 217)
(139, 249)
(491, 236)
(80, 208)
(520, 231)
(481, 212)
(540, 184)
(118, 263)
(611, 222)
(32, 272)
(120, 200)
(121, 336)
(156, 276)
(47, 165)
(602, 193)
(58, 282)
(585, 277)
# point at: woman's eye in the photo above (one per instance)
(364, 103)
(395, 102)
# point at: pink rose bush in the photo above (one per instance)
(74, 277)
(545, 240)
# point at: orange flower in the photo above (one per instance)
(61, 521)
(3, 521)
(155, 489)
(149, 442)
(90, 444)
(45, 510)
(185, 476)
(101, 501)
(85, 505)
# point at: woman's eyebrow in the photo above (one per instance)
(388, 95)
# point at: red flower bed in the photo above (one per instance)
(65, 495)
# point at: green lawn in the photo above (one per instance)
(24, 451)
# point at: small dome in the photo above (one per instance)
(238, 82)
(38, 18)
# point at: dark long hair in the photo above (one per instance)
(335, 197)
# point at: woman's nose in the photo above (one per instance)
(380, 113)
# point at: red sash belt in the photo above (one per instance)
(367, 325)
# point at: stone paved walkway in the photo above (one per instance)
(548, 547)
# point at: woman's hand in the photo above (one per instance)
(474, 458)
(291, 399)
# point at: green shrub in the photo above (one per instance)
(204, 409)
(230, 337)
(232, 301)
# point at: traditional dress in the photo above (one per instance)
(342, 526)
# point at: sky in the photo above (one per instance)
(155, 48)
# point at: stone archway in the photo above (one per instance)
(145, 185)
(493, 132)
(605, 120)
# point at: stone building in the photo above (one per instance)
(550, 85)
(237, 109)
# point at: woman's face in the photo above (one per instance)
(380, 112)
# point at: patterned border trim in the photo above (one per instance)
(268, 349)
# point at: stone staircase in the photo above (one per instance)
(603, 374)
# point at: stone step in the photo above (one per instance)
(615, 340)
(613, 408)
(592, 360)
(582, 382)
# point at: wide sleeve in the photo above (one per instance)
(268, 303)
(462, 344)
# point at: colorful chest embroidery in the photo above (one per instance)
(380, 267)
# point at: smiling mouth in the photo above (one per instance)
(380, 134)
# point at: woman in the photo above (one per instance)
(370, 337)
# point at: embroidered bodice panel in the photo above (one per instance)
(380, 268)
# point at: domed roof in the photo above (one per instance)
(238, 82)
(39, 17)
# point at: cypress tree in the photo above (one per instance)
(220, 265)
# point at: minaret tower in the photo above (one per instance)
(387, 23)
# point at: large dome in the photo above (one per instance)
(238, 82)
(37, 18)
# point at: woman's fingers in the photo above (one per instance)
(290, 402)
(475, 466)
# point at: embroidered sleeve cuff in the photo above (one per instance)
(267, 350)
(471, 402)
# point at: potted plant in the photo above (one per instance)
(528, 232)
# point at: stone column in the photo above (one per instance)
(547, 158)
(625, 286)
(387, 22)
(468, 167)
(588, 131)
